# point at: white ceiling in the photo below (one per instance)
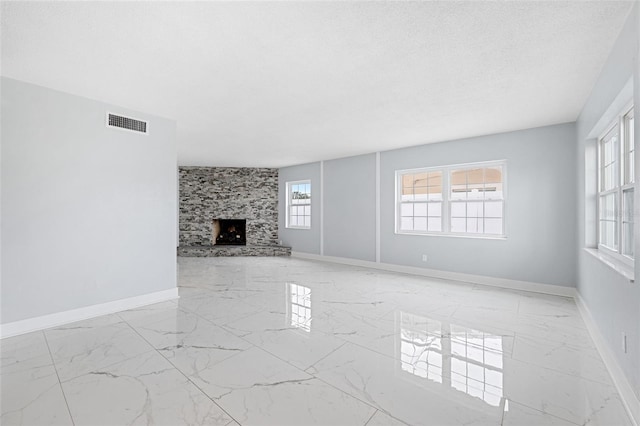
(281, 83)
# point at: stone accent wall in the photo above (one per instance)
(208, 193)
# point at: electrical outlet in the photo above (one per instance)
(624, 342)
(424, 257)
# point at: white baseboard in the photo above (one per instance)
(555, 290)
(66, 317)
(629, 398)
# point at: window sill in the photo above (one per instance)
(442, 234)
(618, 266)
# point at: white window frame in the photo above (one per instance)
(289, 204)
(624, 183)
(446, 199)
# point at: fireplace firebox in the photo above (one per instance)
(230, 232)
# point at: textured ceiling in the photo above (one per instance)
(280, 83)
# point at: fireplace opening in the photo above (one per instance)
(230, 232)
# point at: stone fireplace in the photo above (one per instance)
(227, 211)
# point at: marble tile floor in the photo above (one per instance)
(283, 341)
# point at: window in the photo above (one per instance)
(299, 204)
(452, 200)
(615, 187)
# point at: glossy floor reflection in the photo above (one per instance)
(286, 341)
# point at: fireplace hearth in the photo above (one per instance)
(230, 232)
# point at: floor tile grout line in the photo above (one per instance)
(543, 412)
(357, 397)
(285, 361)
(326, 356)
(233, 419)
(374, 413)
(127, 358)
(55, 368)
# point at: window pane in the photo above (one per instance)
(607, 151)
(630, 146)
(609, 159)
(475, 209)
(307, 221)
(307, 210)
(420, 224)
(435, 193)
(475, 184)
(420, 179)
(627, 222)
(435, 179)
(608, 207)
(458, 209)
(406, 224)
(493, 174)
(407, 194)
(627, 201)
(458, 184)
(407, 181)
(420, 209)
(493, 226)
(421, 193)
(435, 185)
(475, 226)
(435, 209)
(608, 235)
(627, 235)
(434, 224)
(458, 224)
(406, 209)
(612, 235)
(609, 177)
(493, 209)
(294, 221)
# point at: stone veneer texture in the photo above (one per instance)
(208, 193)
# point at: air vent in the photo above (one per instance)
(127, 123)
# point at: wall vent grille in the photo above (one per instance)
(127, 123)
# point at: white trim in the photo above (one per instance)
(628, 396)
(378, 207)
(555, 290)
(60, 318)
(322, 207)
(612, 262)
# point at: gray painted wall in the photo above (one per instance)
(540, 244)
(88, 213)
(540, 183)
(350, 207)
(304, 240)
(613, 301)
